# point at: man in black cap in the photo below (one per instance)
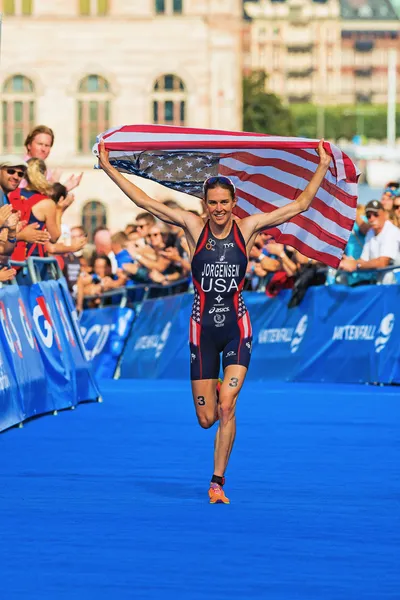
(12, 171)
(382, 242)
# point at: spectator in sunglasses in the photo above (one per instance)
(12, 171)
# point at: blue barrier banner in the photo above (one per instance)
(11, 409)
(23, 352)
(42, 363)
(355, 335)
(54, 347)
(86, 386)
(104, 332)
(337, 334)
(158, 345)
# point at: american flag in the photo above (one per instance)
(268, 172)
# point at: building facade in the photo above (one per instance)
(323, 51)
(82, 66)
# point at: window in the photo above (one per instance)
(94, 98)
(169, 7)
(169, 101)
(177, 6)
(99, 8)
(160, 7)
(18, 7)
(94, 215)
(18, 112)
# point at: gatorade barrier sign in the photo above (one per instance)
(104, 332)
(337, 334)
(42, 367)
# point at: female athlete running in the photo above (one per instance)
(219, 323)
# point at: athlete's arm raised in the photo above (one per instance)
(260, 221)
(173, 216)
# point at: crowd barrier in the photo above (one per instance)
(105, 329)
(43, 367)
(336, 334)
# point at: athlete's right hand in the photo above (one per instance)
(33, 235)
(104, 161)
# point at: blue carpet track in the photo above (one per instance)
(110, 501)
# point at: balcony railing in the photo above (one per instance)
(299, 48)
(363, 46)
(298, 73)
(363, 72)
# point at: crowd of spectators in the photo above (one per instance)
(150, 252)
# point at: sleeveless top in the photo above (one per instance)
(218, 270)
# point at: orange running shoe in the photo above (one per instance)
(217, 494)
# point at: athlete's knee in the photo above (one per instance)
(226, 409)
(206, 421)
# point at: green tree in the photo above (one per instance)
(262, 112)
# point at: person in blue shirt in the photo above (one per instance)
(357, 237)
(118, 246)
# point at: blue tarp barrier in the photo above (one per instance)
(104, 332)
(42, 367)
(337, 334)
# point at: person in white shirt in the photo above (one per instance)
(382, 242)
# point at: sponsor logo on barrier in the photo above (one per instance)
(367, 332)
(10, 332)
(4, 381)
(44, 323)
(64, 320)
(384, 332)
(27, 325)
(100, 333)
(285, 335)
(146, 342)
(299, 334)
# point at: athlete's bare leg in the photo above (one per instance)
(234, 376)
(205, 401)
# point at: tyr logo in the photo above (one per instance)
(231, 245)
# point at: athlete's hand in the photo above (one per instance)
(5, 212)
(324, 158)
(3, 235)
(104, 154)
